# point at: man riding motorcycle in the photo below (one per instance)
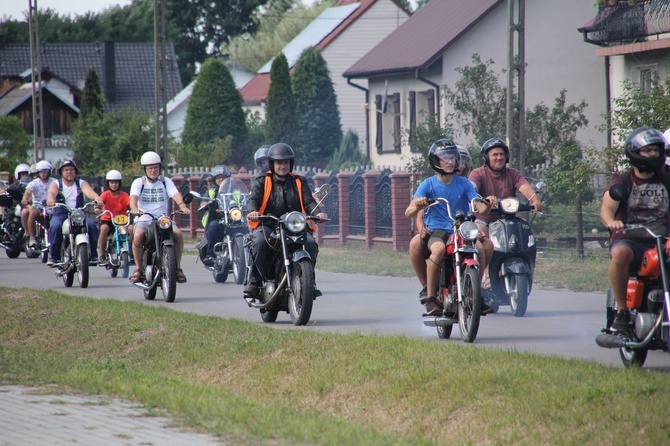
(212, 220)
(36, 190)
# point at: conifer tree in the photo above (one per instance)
(280, 118)
(92, 100)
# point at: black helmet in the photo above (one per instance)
(261, 158)
(638, 138)
(491, 143)
(465, 163)
(220, 169)
(441, 149)
(280, 152)
(65, 164)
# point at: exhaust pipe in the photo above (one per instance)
(434, 321)
(253, 304)
(612, 341)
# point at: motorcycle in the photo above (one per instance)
(459, 291)
(229, 253)
(513, 262)
(290, 286)
(647, 298)
(117, 247)
(75, 247)
(12, 234)
(159, 257)
(40, 250)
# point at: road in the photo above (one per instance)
(558, 322)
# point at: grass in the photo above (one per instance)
(251, 384)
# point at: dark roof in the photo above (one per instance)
(134, 68)
(423, 38)
(15, 97)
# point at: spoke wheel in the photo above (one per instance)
(82, 265)
(300, 302)
(169, 274)
(239, 262)
(469, 311)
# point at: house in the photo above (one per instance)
(343, 33)
(408, 69)
(633, 43)
(125, 70)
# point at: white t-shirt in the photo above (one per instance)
(40, 189)
(70, 194)
(153, 199)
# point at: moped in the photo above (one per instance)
(117, 247)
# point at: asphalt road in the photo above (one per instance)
(558, 322)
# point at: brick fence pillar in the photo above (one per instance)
(370, 180)
(319, 180)
(344, 183)
(400, 199)
(193, 218)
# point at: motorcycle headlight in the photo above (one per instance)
(509, 205)
(469, 231)
(164, 222)
(123, 230)
(78, 216)
(235, 214)
(295, 222)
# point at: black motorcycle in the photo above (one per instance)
(229, 256)
(290, 286)
(12, 234)
(513, 262)
(41, 249)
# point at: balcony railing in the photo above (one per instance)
(628, 23)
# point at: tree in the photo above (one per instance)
(348, 155)
(215, 109)
(319, 128)
(92, 99)
(280, 117)
(14, 143)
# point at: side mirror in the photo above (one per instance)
(539, 186)
(188, 198)
(323, 190)
(618, 192)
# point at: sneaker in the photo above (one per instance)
(32, 243)
(621, 322)
(53, 262)
(104, 260)
(251, 291)
(317, 292)
(432, 307)
(208, 261)
(181, 278)
(423, 296)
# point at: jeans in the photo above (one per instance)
(215, 231)
(56, 236)
(262, 253)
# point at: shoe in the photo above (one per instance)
(53, 263)
(423, 296)
(432, 307)
(93, 261)
(104, 261)
(621, 322)
(138, 276)
(317, 292)
(251, 291)
(208, 261)
(32, 243)
(486, 309)
(181, 278)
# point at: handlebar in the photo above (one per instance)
(639, 226)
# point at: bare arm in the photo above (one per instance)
(534, 199)
(133, 204)
(179, 202)
(483, 207)
(51, 195)
(415, 206)
(607, 213)
(90, 193)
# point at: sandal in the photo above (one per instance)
(181, 278)
(138, 276)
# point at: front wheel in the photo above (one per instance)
(300, 301)
(239, 262)
(125, 265)
(470, 309)
(633, 357)
(169, 274)
(518, 293)
(82, 265)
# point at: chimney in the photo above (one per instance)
(109, 71)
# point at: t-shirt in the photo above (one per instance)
(153, 199)
(40, 189)
(506, 185)
(117, 205)
(458, 193)
(647, 205)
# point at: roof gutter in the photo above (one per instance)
(418, 76)
(367, 116)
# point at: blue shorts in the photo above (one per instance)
(638, 248)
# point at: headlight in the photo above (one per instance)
(509, 205)
(78, 216)
(295, 222)
(235, 214)
(164, 222)
(123, 230)
(469, 231)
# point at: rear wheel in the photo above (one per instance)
(444, 332)
(31, 253)
(469, 311)
(239, 262)
(82, 265)
(633, 357)
(518, 294)
(220, 271)
(150, 293)
(169, 275)
(301, 300)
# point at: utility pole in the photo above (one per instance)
(160, 81)
(516, 83)
(36, 79)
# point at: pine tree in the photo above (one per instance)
(92, 100)
(280, 118)
(348, 154)
(319, 127)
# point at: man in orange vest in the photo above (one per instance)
(276, 192)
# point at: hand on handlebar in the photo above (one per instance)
(615, 225)
(492, 200)
(254, 216)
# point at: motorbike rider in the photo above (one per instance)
(646, 203)
(36, 190)
(117, 202)
(69, 190)
(213, 221)
(22, 174)
(261, 158)
(150, 194)
(276, 192)
(444, 158)
(495, 180)
(33, 171)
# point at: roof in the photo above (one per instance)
(423, 38)
(15, 97)
(134, 68)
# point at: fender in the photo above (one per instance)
(514, 265)
(168, 242)
(470, 262)
(80, 239)
(299, 255)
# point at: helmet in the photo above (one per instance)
(261, 157)
(33, 169)
(150, 158)
(440, 150)
(465, 163)
(639, 138)
(220, 170)
(280, 152)
(20, 169)
(491, 143)
(65, 164)
(43, 165)
(113, 175)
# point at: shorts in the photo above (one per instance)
(638, 248)
(107, 223)
(144, 224)
(437, 235)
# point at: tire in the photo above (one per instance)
(169, 274)
(633, 357)
(44, 256)
(68, 279)
(13, 253)
(82, 265)
(220, 276)
(444, 332)
(269, 316)
(518, 294)
(469, 311)
(31, 253)
(301, 300)
(125, 265)
(239, 261)
(150, 294)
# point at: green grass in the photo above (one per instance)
(251, 384)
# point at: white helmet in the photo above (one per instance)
(149, 158)
(33, 169)
(21, 168)
(113, 175)
(43, 165)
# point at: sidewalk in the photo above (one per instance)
(30, 417)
